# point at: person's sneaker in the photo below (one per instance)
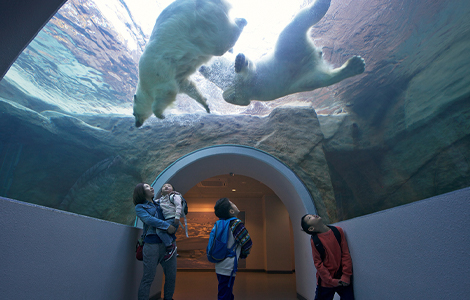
(169, 254)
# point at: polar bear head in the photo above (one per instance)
(142, 110)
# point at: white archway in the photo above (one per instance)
(243, 160)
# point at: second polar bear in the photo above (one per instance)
(294, 66)
(187, 34)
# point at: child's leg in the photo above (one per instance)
(165, 237)
(167, 241)
(346, 292)
(324, 293)
(225, 292)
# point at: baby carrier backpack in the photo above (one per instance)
(185, 209)
(319, 246)
(217, 249)
(183, 202)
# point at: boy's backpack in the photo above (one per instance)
(319, 246)
(217, 249)
(185, 209)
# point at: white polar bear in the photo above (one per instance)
(187, 34)
(295, 65)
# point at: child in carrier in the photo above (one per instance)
(172, 207)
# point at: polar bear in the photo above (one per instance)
(295, 65)
(186, 34)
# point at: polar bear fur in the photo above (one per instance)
(295, 65)
(186, 34)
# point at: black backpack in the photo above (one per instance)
(319, 246)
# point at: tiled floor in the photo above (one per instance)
(248, 286)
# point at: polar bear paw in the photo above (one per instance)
(240, 62)
(355, 65)
(241, 22)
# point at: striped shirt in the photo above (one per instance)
(241, 237)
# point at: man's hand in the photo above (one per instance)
(171, 229)
(176, 222)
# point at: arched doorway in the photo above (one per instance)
(224, 159)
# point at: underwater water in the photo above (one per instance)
(397, 133)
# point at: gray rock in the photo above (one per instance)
(90, 164)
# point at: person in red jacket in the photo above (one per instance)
(334, 269)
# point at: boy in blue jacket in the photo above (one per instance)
(225, 209)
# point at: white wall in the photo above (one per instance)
(51, 254)
(278, 238)
(416, 251)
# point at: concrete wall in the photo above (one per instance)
(51, 254)
(416, 251)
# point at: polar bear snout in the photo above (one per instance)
(139, 120)
(141, 112)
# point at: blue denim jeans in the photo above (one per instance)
(153, 255)
(164, 236)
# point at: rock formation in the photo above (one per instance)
(92, 167)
